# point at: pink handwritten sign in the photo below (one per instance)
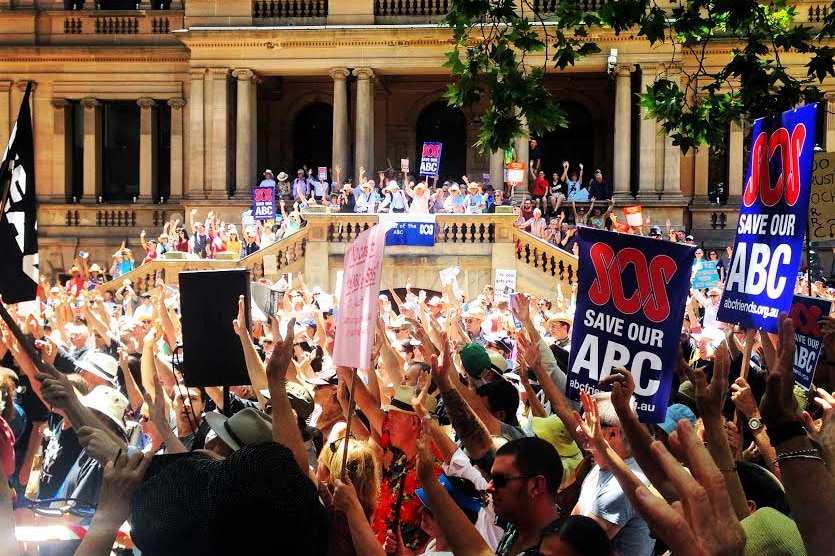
(357, 319)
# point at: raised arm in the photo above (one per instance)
(810, 489)
(369, 406)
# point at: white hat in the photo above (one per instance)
(248, 426)
(100, 364)
(392, 187)
(282, 176)
(268, 171)
(107, 401)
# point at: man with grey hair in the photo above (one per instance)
(601, 496)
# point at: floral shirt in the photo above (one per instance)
(398, 490)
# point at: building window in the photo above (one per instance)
(162, 153)
(120, 150)
(76, 135)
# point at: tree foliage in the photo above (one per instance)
(495, 41)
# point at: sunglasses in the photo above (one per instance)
(71, 506)
(501, 481)
(714, 295)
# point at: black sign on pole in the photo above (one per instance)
(212, 352)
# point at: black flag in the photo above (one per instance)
(18, 226)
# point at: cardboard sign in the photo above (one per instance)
(822, 198)
(356, 321)
(263, 203)
(323, 173)
(516, 172)
(485, 179)
(505, 284)
(772, 221)
(404, 165)
(634, 216)
(430, 159)
(630, 306)
(706, 275)
(805, 314)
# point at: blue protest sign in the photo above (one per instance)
(430, 159)
(263, 203)
(805, 314)
(772, 221)
(410, 229)
(705, 276)
(630, 308)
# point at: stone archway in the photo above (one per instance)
(313, 136)
(448, 125)
(574, 143)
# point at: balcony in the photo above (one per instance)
(272, 13)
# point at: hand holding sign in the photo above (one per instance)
(777, 405)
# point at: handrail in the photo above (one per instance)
(543, 256)
(288, 253)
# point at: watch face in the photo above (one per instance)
(754, 424)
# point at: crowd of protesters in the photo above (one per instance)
(456, 437)
(462, 441)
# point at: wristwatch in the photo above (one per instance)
(754, 423)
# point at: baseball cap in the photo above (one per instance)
(676, 413)
(324, 378)
(476, 360)
(465, 502)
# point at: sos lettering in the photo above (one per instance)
(652, 277)
(431, 150)
(806, 319)
(787, 184)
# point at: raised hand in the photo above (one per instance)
(282, 355)
(422, 386)
(704, 522)
(239, 324)
(441, 365)
(743, 398)
(709, 397)
(101, 446)
(121, 477)
(590, 424)
(777, 405)
(623, 387)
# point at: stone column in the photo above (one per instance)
(217, 141)
(364, 143)
(5, 117)
(147, 148)
(92, 149)
(623, 121)
(176, 180)
(243, 132)
(340, 143)
(735, 171)
(647, 134)
(672, 170)
(701, 174)
(523, 154)
(497, 169)
(196, 135)
(829, 136)
(62, 159)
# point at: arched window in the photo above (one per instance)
(313, 137)
(574, 143)
(441, 123)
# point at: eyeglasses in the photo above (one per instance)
(714, 295)
(72, 506)
(501, 481)
(270, 342)
(468, 321)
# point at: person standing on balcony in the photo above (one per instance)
(474, 202)
(283, 189)
(455, 201)
(268, 180)
(367, 199)
(301, 185)
(420, 195)
(539, 188)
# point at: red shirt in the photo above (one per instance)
(399, 483)
(540, 186)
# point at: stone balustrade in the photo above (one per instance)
(477, 243)
(110, 27)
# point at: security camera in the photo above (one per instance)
(612, 61)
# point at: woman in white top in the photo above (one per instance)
(536, 225)
(420, 197)
(367, 199)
